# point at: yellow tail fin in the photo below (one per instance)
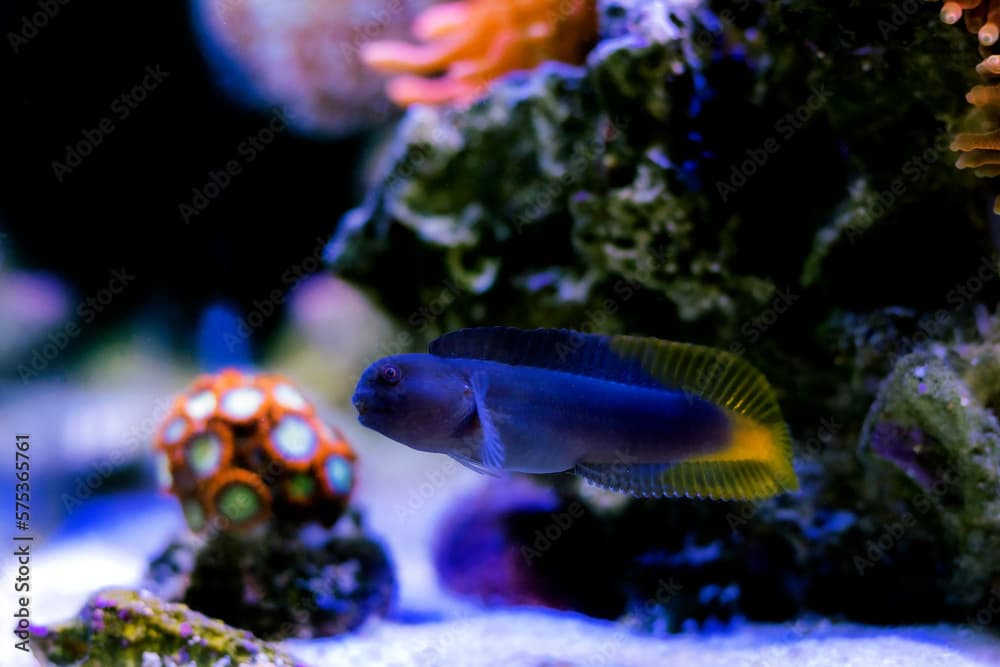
(757, 463)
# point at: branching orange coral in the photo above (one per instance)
(980, 151)
(982, 17)
(473, 42)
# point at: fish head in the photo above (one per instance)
(417, 399)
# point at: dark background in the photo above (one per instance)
(119, 207)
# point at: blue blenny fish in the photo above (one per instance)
(641, 416)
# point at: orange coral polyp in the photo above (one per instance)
(407, 90)
(477, 41)
(441, 20)
(989, 66)
(951, 12)
(983, 95)
(215, 435)
(981, 17)
(971, 141)
(237, 477)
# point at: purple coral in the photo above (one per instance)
(902, 446)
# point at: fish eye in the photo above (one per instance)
(390, 374)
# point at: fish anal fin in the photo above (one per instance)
(724, 480)
(475, 466)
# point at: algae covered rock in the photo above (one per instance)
(516, 542)
(896, 78)
(564, 186)
(450, 209)
(671, 184)
(935, 420)
(124, 628)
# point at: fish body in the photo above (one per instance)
(587, 419)
(642, 416)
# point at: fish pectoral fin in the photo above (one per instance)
(718, 480)
(492, 452)
(475, 466)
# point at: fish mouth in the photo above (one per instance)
(368, 412)
(369, 415)
(360, 404)
(364, 417)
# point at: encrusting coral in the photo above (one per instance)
(237, 447)
(123, 628)
(476, 41)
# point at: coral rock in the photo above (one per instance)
(558, 187)
(934, 419)
(303, 582)
(123, 628)
(236, 448)
(517, 543)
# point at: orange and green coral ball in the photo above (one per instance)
(239, 448)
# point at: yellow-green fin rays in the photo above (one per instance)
(757, 462)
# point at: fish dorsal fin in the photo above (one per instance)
(554, 349)
(714, 375)
(717, 376)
